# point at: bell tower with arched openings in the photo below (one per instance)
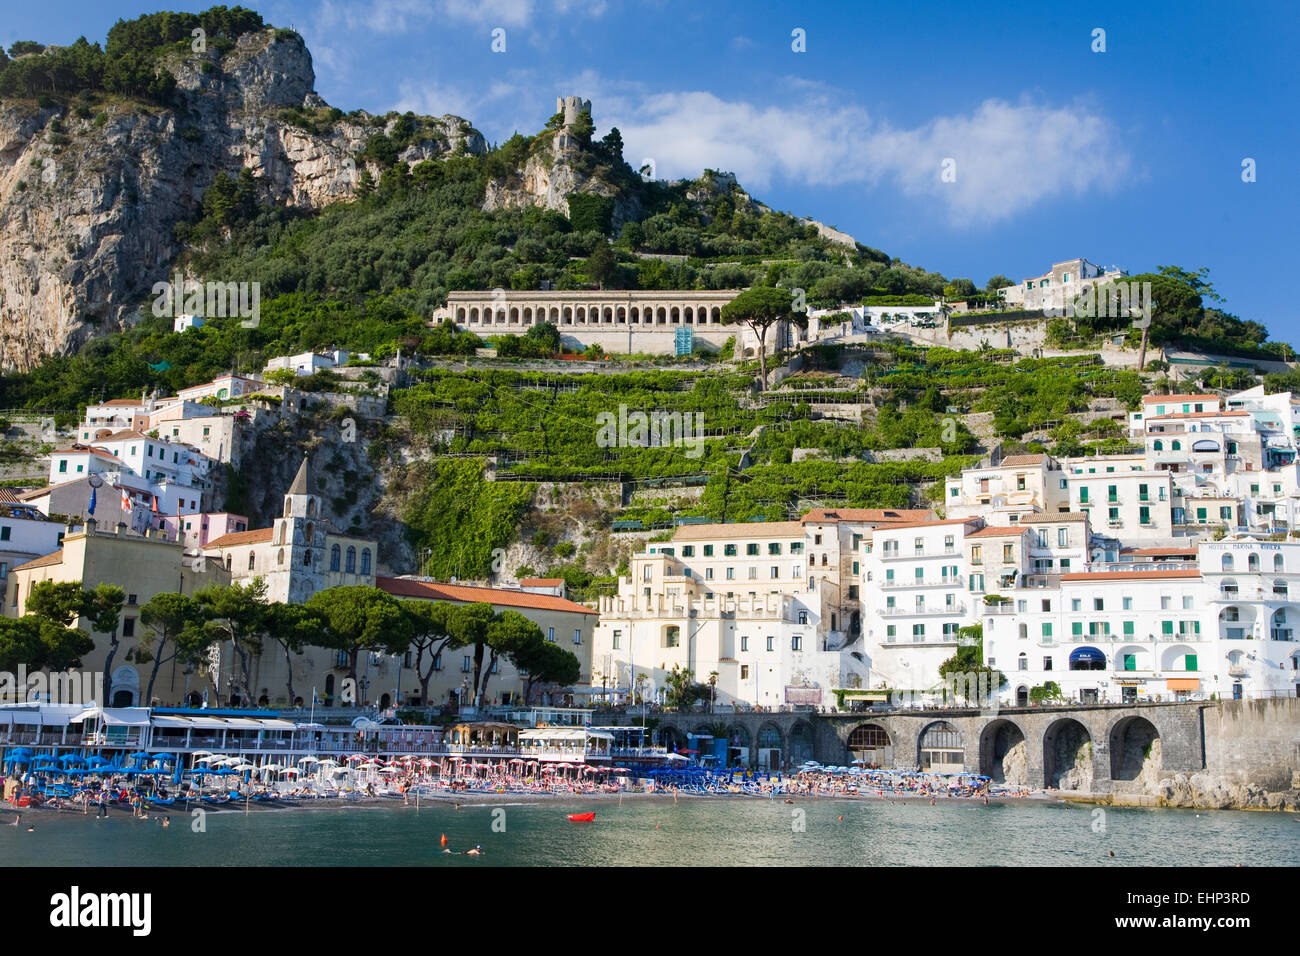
(297, 551)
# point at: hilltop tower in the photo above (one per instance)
(298, 544)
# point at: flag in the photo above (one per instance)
(155, 503)
(90, 509)
(127, 505)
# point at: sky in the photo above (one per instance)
(967, 138)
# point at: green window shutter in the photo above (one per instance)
(1128, 628)
(1077, 629)
(1191, 662)
(1166, 627)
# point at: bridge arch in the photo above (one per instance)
(1004, 753)
(740, 750)
(941, 747)
(1135, 748)
(871, 743)
(800, 743)
(1067, 755)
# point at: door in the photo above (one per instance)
(1236, 691)
(1129, 695)
(1022, 696)
(1088, 695)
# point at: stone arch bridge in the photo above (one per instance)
(1100, 748)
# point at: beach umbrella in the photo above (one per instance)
(196, 754)
(308, 759)
(164, 757)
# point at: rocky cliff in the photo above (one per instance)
(88, 203)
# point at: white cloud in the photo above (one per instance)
(1007, 156)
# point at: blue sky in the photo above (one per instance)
(1129, 157)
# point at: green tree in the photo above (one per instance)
(292, 627)
(173, 628)
(358, 618)
(507, 633)
(237, 613)
(602, 264)
(761, 308)
(431, 634)
(103, 611)
(542, 662)
(680, 689)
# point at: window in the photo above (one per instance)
(1022, 662)
(1128, 628)
(771, 643)
(708, 550)
(1098, 604)
(646, 573)
(252, 556)
(803, 617)
(796, 547)
(751, 549)
(731, 574)
(918, 632)
(618, 636)
(577, 636)
(465, 665)
(977, 554)
(1076, 629)
(891, 631)
(350, 565)
(688, 551)
(1042, 537)
(753, 574)
(1047, 629)
(437, 661)
(550, 634)
(948, 542)
(796, 642)
(1008, 554)
(1047, 663)
(774, 548)
(708, 574)
(729, 550)
(128, 627)
(744, 644)
(776, 572)
(1187, 602)
(1047, 606)
(744, 672)
(1127, 603)
(1076, 604)
(365, 561)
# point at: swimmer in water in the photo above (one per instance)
(167, 821)
(477, 851)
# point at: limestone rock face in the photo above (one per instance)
(1210, 791)
(88, 206)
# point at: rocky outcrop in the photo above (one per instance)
(1212, 792)
(88, 204)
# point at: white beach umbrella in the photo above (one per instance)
(308, 759)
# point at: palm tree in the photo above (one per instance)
(713, 687)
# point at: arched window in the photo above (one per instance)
(306, 559)
(252, 557)
(1252, 562)
(335, 553)
(1176, 446)
(1227, 563)
(1278, 563)
(1159, 445)
(351, 566)
(365, 560)
(1022, 661)
(287, 499)
(279, 558)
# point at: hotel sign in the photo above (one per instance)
(809, 696)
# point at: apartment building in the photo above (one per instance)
(1122, 498)
(1059, 285)
(1103, 636)
(1004, 491)
(742, 600)
(916, 599)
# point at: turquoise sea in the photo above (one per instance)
(655, 832)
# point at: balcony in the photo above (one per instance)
(1237, 671)
(927, 611)
(956, 581)
(1000, 609)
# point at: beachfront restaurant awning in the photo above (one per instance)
(114, 716)
(1183, 683)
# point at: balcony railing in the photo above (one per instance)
(923, 611)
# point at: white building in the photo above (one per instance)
(732, 599)
(307, 363)
(1060, 284)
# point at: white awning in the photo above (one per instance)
(115, 716)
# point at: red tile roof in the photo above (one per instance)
(1203, 396)
(997, 532)
(1015, 460)
(540, 582)
(891, 515)
(466, 594)
(55, 557)
(241, 537)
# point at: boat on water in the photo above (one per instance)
(583, 817)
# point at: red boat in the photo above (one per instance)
(583, 817)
